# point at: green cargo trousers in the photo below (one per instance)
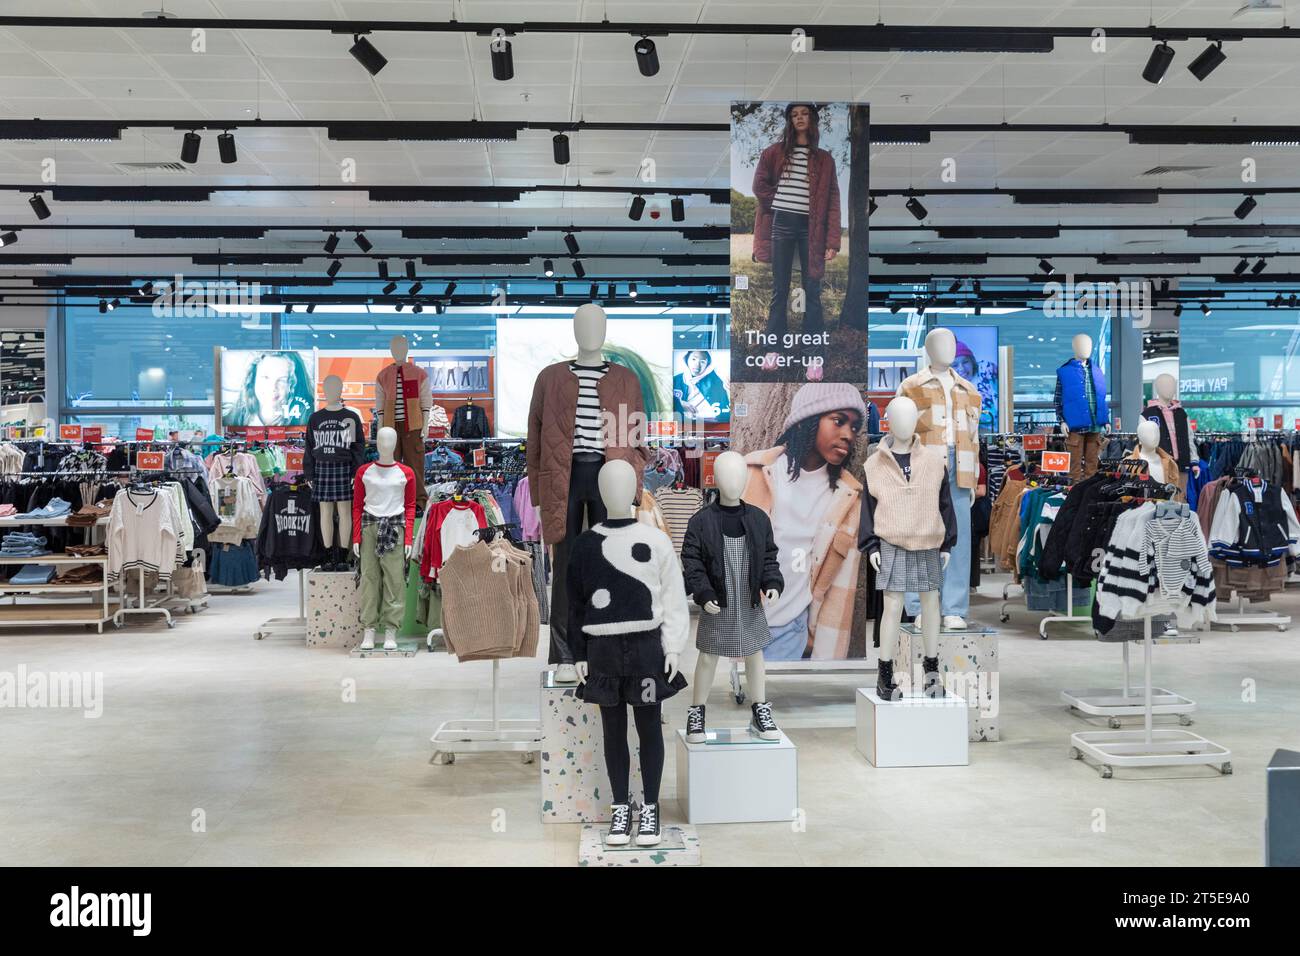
(383, 587)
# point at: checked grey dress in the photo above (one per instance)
(739, 629)
(903, 570)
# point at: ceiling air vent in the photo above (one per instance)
(1172, 170)
(135, 169)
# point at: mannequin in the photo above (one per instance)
(383, 511)
(334, 450)
(584, 413)
(948, 410)
(628, 626)
(1169, 416)
(907, 516)
(403, 403)
(718, 555)
(1148, 449)
(1081, 408)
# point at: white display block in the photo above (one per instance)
(334, 610)
(916, 731)
(678, 846)
(968, 663)
(575, 784)
(736, 777)
(406, 647)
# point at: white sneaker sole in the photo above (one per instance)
(765, 734)
(649, 841)
(696, 738)
(616, 840)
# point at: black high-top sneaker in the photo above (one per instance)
(886, 689)
(620, 827)
(931, 679)
(695, 724)
(647, 831)
(761, 724)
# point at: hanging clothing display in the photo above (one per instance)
(240, 464)
(238, 507)
(144, 535)
(450, 524)
(482, 624)
(289, 537)
(332, 453)
(470, 421)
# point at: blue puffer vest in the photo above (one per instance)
(1074, 398)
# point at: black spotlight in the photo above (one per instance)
(975, 286)
(1258, 267)
(417, 308)
(1241, 267)
(332, 243)
(451, 287)
(389, 289)
(559, 289)
(1046, 266)
(920, 310)
(38, 206)
(679, 209)
(190, 144)
(8, 238)
(226, 147)
(578, 270)
(571, 243)
(955, 287)
(1205, 309)
(103, 306)
(560, 148)
(288, 309)
(410, 269)
(383, 268)
(647, 57)
(311, 308)
(1158, 63)
(872, 206)
(1245, 207)
(1208, 61)
(549, 268)
(1178, 310)
(334, 268)
(364, 52)
(503, 60)
(1291, 300)
(415, 289)
(637, 208)
(631, 290)
(917, 210)
(894, 307)
(594, 292)
(399, 307)
(362, 242)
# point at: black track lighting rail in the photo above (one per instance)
(343, 130)
(717, 196)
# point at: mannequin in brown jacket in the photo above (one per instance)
(583, 413)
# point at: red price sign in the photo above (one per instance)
(1277, 423)
(70, 432)
(480, 457)
(1192, 422)
(1255, 422)
(144, 434)
(149, 461)
(884, 425)
(293, 461)
(92, 433)
(1035, 442)
(706, 468)
(1058, 461)
(255, 433)
(277, 433)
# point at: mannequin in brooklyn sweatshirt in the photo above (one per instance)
(907, 530)
(334, 448)
(383, 518)
(628, 625)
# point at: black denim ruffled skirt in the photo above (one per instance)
(627, 669)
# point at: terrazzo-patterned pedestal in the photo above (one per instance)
(575, 785)
(968, 661)
(333, 609)
(406, 647)
(679, 846)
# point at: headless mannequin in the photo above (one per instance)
(589, 324)
(1148, 434)
(399, 349)
(329, 510)
(1166, 388)
(1081, 345)
(731, 474)
(386, 442)
(902, 416)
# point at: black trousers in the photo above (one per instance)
(613, 722)
(584, 510)
(790, 239)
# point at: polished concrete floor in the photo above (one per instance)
(214, 748)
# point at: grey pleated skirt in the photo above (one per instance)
(908, 571)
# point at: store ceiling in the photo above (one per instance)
(88, 73)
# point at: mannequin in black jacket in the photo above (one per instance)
(1179, 442)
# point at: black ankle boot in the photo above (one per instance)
(886, 689)
(931, 680)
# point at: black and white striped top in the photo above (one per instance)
(792, 190)
(587, 432)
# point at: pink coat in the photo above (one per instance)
(823, 206)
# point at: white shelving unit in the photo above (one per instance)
(97, 612)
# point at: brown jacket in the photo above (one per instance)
(824, 227)
(925, 389)
(550, 436)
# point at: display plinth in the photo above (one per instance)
(916, 731)
(575, 784)
(736, 777)
(678, 846)
(1282, 824)
(333, 609)
(406, 647)
(968, 662)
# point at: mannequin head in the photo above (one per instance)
(386, 442)
(730, 474)
(1148, 433)
(333, 389)
(617, 483)
(1082, 345)
(399, 348)
(902, 415)
(1166, 387)
(941, 348)
(589, 328)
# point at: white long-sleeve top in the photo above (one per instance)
(242, 464)
(143, 533)
(1156, 565)
(236, 504)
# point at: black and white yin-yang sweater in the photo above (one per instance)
(623, 578)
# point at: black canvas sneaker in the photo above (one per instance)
(647, 832)
(762, 723)
(620, 827)
(695, 724)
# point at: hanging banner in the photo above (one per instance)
(92, 432)
(144, 434)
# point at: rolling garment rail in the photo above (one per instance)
(1114, 703)
(487, 736)
(288, 626)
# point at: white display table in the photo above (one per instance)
(735, 777)
(913, 732)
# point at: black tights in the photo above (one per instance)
(614, 724)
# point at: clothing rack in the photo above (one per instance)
(497, 735)
(288, 626)
(1114, 704)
